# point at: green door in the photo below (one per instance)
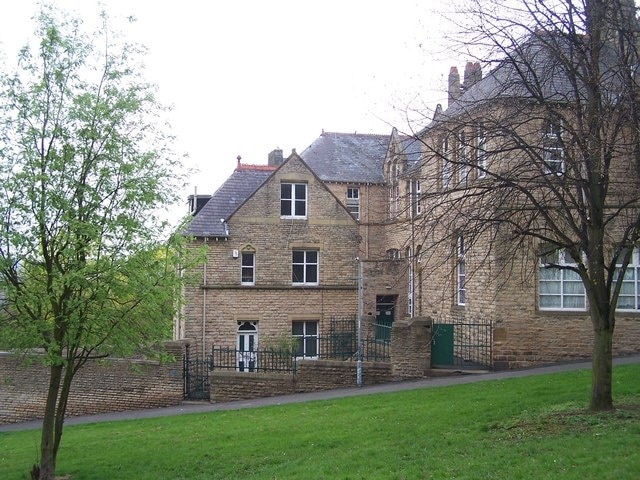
(442, 345)
(385, 306)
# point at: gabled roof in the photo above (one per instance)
(407, 146)
(535, 69)
(243, 182)
(333, 157)
(347, 157)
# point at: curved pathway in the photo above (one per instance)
(200, 407)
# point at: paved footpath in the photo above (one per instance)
(202, 407)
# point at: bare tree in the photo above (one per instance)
(542, 155)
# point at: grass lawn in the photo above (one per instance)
(522, 428)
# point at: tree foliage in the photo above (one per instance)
(543, 154)
(87, 268)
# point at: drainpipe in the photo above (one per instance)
(204, 308)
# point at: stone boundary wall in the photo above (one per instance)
(311, 375)
(111, 385)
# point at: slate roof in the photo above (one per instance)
(333, 157)
(533, 69)
(242, 183)
(347, 157)
(411, 147)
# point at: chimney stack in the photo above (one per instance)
(275, 158)
(472, 74)
(454, 85)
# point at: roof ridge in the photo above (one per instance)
(261, 167)
(355, 133)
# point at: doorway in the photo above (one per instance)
(385, 312)
(247, 345)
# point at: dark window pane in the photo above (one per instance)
(311, 347)
(301, 192)
(312, 328)
(312, 274)
(298, 256)
(301, 207)
(247, 259)
(297, 328)
(285, 190)
(247, 275)
(285, 207)
(312, 257)
(297, 274)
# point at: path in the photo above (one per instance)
(200, 407)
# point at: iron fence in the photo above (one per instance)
(225, 358)
(376, 350)
(335, 347)
(466, 345)
(341, 346)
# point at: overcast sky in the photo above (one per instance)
(245, 77)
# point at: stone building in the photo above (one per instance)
(288, 243)
(504, 146)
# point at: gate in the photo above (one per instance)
(461, 345)
(196, 379)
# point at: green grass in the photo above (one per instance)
(524, 428)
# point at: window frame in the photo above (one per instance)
(553, 149)
(244, 268)
(461, 279)
(353, 202)
(415, 197)
(481, 151)
(307, 267)
(393, 254)
(565, 277)
(293, 200)
(631, 277)
(394, 200)
(462, 157)
(447, 174)
(303, 338)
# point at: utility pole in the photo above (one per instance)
(359, 354)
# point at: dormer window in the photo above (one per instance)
(293, 200)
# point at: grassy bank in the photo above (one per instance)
(524, 428)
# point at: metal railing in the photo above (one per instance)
(376, 350)
(338, 347)
(224, 358)
(335, 347)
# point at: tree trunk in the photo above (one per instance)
(47, 442)
(602, 365)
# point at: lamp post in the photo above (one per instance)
(359, 354)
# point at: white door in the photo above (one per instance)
(247, 346)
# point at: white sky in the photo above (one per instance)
(245, 77)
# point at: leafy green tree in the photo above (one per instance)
(86, 266)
